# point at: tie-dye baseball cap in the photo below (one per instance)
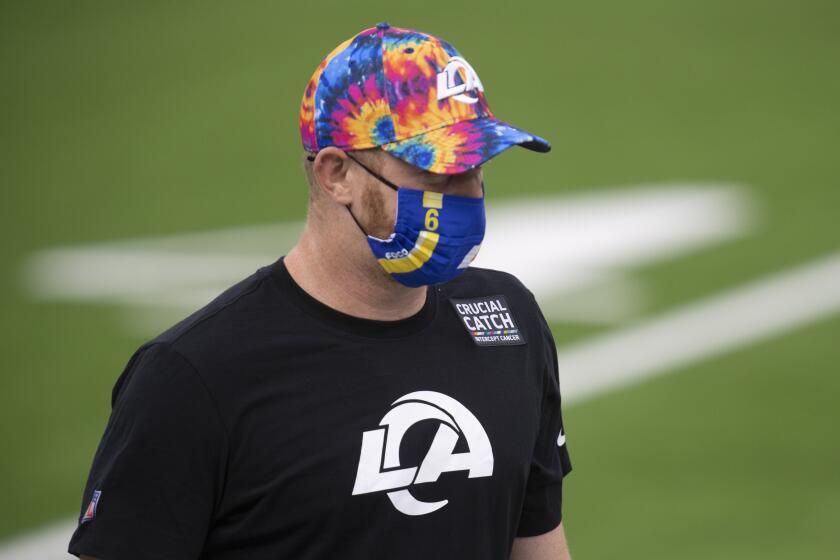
(410, 93)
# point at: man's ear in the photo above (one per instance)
(334, 173)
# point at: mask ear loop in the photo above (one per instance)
(357, 221)
(382, 179)
(386, 182)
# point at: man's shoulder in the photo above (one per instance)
(183, 358)
(221, 321)
(476, 281)
(487, 299)
(481, 283)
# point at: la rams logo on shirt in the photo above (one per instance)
(381, 450)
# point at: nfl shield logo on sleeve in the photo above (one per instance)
(91, 509)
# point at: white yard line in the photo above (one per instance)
(768, 307)
(47, 543)
(571, 250)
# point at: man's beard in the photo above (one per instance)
(380, 224)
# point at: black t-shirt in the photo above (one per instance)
(269, 425)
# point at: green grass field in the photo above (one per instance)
(129, 120)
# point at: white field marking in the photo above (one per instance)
(47, 543)
(569, 250)
(767, 307)
(608, 298)
(561, 243)
(721, 323)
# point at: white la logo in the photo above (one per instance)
(446, 86)
(407, 410)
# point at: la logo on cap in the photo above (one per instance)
(446, 86)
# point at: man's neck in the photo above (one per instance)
(348, 279)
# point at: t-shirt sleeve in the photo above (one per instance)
(542, 508)
(157, 473)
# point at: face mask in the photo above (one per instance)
(436, 236)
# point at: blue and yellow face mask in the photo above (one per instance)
(435, 238)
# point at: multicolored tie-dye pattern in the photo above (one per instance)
(380, 88)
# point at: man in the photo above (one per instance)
(368, 395)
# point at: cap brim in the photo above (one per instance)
(462, 146)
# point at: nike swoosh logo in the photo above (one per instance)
(561, 439)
